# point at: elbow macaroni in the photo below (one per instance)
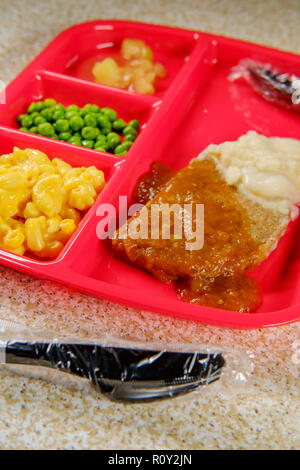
(42, 200)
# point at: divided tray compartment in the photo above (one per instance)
(66, 90)
(10, 138)
(75, 50)
(195, 106)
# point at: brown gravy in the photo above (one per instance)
(214, 275)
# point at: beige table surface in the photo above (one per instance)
(60, 413)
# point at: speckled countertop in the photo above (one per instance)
(61, 413)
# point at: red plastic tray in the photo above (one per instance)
(194, 106)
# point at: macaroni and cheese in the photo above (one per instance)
(42, 201)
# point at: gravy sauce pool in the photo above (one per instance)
(214, 275)
(152, 183)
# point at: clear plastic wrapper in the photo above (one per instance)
(125, 370)
(281, 89)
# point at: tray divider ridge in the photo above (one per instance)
(158, 129)
(96, 87)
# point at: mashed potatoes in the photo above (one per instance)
(264, 169)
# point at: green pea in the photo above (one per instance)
(86, 109)
(102, 120)
(39, 105)
(97, 132)
(103, 145)
(129, 138)
(88, 143)
(135, 124)
(46, 129)
(127, 144)
(24, 129)
(121, 154)
(70, 114)
(120, 150)
(101, 138)
(104, 123)
(113, 140)
(94, 108)
(113, 134)
(75, 140)
(35, 114)
(118, 125)
(65, 136)
(20, 117)
(33, 129)
(59, 107)
(39, 120)
(47, 114)
(26, 121)
(31, 108)
(109, 113)
(90, 120)
(55, 136)
(105, 130)
(76, 123)
(49, 102)
(100, 148)
(62, 125)
(89, 133)
(113, 143)
(129, 131)
(102, 141)
(58, 114)
(72, 107)
(77, 134)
